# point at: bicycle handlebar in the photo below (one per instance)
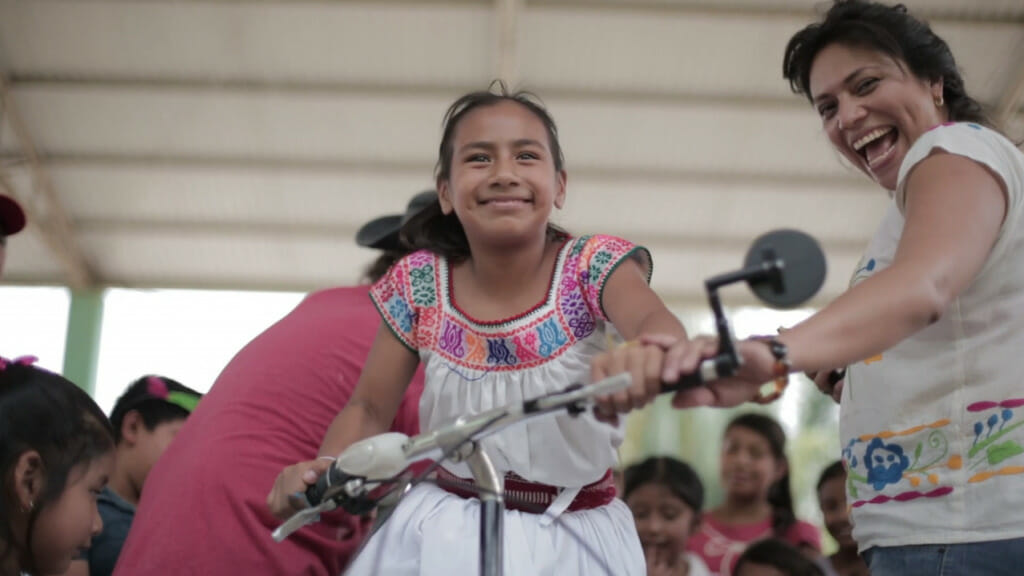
(387, 455)
(378, 459)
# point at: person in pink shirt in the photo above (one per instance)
(758, 504)
(204, 508)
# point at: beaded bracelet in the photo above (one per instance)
(780, 371)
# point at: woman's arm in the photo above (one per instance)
(954, 212)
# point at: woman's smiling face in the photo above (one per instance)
(872, 108)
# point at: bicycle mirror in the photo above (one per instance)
(793, 264)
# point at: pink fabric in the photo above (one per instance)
(720, 545)
(203, 509)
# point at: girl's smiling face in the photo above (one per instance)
(503, 183)
(66, 527)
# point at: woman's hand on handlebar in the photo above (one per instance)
(684, 358)
(294, 479)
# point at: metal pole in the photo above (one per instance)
(82, 341)
(492, 511)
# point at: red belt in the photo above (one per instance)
(534, 497)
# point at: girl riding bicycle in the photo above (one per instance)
(502, 306)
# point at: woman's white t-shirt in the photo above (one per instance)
(933, 429)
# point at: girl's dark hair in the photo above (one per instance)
(379, 267)
(676, 475)
(891, 31)
(44, 412)
(442, 233)
(833, 470)
(779, 495)
(779, 555)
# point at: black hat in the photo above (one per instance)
(383, 233)
(12, 217)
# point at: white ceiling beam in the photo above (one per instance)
(135, 81)
(506, 16)
(506, 68)
(968, 11)
(43, 208)
(285, 229)
(1012, 99)
(934, 14)
(580, 172)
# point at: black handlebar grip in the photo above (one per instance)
(835, 376)
(332, 477)
(685, 383)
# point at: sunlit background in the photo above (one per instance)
(189, 335)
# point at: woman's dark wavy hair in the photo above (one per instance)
(442, 233)
(779, 495)
(678, 476)
(893, 32)
(779, 555)
(44, 412)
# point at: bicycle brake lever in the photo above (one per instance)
(300, 519)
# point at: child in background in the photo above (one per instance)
(666, 497)
(773, 557)
(500, 306)
(832, 499)
(56, 454)
(758, 504)
(146, 418)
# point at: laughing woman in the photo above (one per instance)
(932, 328)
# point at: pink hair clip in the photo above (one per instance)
(156, 387)
(21, 360)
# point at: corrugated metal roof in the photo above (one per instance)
(240, 144)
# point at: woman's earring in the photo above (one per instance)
(939, 102)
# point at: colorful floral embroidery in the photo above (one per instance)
(581, 323)
(905, 496)
(874, 463)
(452, 339)
(412, 298)
(885, 463)
(499, 353)
(600, 256)
(401, 313)
(423, 291)
(476, 352)
(552, 337)
(990, 447)
(526, 347)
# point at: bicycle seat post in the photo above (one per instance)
(492, 509)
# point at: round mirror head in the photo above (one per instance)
(794, 268)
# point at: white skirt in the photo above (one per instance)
(435, 533)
